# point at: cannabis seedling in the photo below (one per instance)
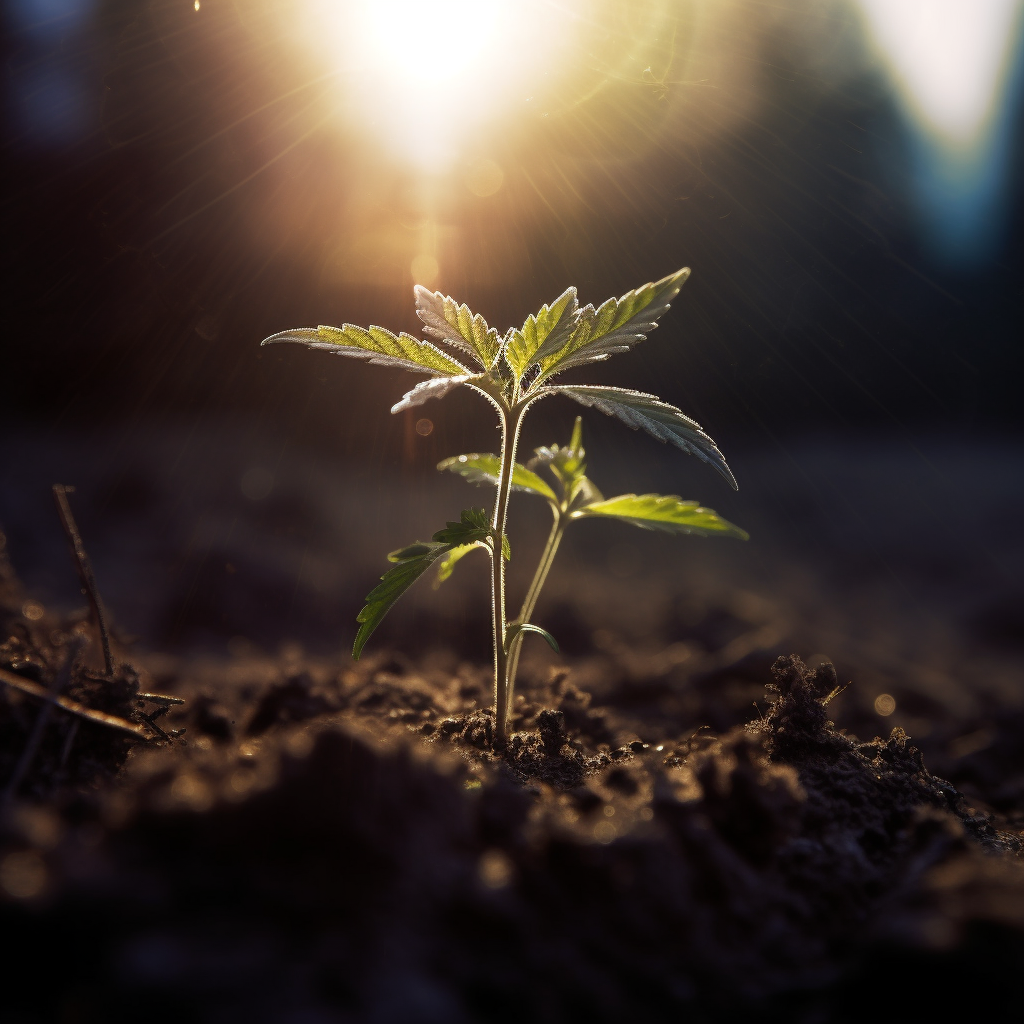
(574, 496)
(513, 372)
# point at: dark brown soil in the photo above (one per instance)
(332, 843)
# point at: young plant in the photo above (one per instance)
(574, 496)
(513, 372)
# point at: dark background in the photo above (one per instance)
(177, 185)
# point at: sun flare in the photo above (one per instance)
(421, 74)
(430, 43)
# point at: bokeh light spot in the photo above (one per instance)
(495, 869)
(23, 875)
(885, 704)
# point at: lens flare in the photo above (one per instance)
(951, 62)
(949, 59)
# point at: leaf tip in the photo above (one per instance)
(302, 335)
(576, 441)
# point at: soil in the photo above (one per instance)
(332, 841)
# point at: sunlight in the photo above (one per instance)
(422, 73)
(430, 42)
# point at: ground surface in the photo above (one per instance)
(677, 832)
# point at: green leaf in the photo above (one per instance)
(458, 326)
(479, 468)
(661, 420)
(615, 326)
(412, 563)
(516, 628)
(568, 466)
(435, 387)
(551, 325)
(576, 441)
(414, 550)
(377, 346)
(474, 524)
(454, 556)
(666, 512)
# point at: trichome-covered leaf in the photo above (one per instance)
(457, 325)
(480, 468)
(661, 420)
(376, 345)
(435, 387)
(615, 326)
(549, 327)
(666, 512)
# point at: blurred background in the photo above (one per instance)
(182, 178)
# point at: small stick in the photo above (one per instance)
(52, 694)
(164, 704)
(160, 698)
(100, 717)
(85, 573)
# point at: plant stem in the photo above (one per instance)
(530, 601)
(511, 421)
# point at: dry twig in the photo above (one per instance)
(85, 573)
(66, 704)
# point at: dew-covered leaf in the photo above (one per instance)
(376, 345)
(550, 327)
(661, 420)
(666, 512)
(481, 468)
(615, 326)
(457, 325)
